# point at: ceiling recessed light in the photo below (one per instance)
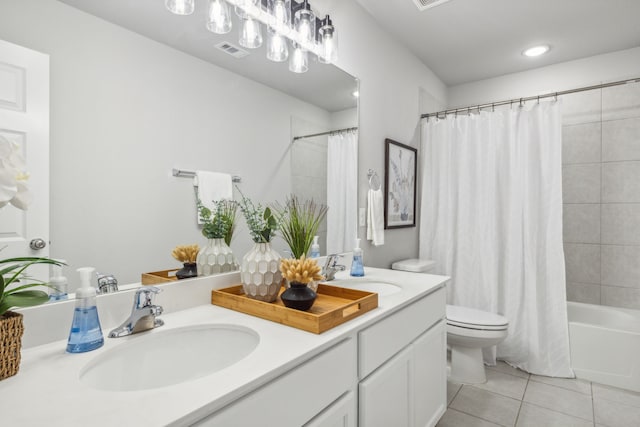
(536, 50)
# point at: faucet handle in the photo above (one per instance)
(144, 296)
(332, 260)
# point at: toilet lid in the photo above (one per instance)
(471, 318)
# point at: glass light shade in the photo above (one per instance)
(241, 5)
(280, 10)
(180, 7)
(304, 23)
(251, 33)
(328, 46)
(277, 50)
(219, 18)
(299, 61)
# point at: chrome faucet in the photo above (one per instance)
(107, 283)
(331, 267)
(143, 315)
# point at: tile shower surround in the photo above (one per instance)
(601, 195)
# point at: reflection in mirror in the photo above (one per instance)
(126, 109)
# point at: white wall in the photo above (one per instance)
(125, 110)
(554, 78)
(391, 80)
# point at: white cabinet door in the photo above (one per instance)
(24, 119)
(341, 413)
(430, 378)
(385, 396)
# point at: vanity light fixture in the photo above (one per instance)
(180, 7)
(536, 50)
(291, 20)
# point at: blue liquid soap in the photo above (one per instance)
(357, 265)
(86, 334)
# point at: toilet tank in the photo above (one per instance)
(414, 265)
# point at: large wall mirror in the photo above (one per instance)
(137, 91)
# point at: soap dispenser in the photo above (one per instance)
(58, 282)
(315, 248)
(357, 265)
(86, 334)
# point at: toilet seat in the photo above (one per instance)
(470, 318)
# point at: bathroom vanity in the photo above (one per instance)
(386, 367)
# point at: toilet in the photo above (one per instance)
(468, 331)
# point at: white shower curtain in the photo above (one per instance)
(342, 191)
(491, 215)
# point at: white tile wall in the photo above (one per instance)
(581, 143)
(620, 140)
(581, 223)
(601, 192)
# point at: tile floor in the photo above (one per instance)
(511, 397)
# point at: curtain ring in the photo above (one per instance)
(493, 108)
(538, 99)
(556, 97)
(511, 104)
(521, 104)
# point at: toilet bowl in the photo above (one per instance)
(468, 332)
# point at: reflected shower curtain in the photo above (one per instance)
(342, 191)
(491, 216)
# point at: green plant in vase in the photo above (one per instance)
(218, 227)
(299, 221)
(221, 223)
(12, 272)
(259, 270)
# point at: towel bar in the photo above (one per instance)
(191, 174)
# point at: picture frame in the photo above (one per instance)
(400, 169)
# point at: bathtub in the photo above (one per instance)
(605, 344)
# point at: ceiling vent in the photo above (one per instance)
(426, 4)
(232, 50)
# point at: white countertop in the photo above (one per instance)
(47, 389)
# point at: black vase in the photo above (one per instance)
(188, 270)
(299, 296)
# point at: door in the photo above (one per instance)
(24, 119)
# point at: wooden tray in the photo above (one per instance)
(332, 307)
(156, 277)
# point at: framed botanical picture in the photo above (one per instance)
(400, 172)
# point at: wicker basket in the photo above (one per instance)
(11, 329)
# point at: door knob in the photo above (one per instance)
(37, 244)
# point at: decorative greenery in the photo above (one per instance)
(261, 221)
(301, 270)
(219, 224)
(299, 222)
(21, 296)
(186, 253)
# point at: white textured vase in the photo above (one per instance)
(260, 273)
(216, 257)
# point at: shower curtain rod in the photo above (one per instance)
(329, 132)
(528, 98)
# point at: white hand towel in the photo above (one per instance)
(212, 186)
(375, 217)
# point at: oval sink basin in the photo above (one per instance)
(381, 288)
(167, 358)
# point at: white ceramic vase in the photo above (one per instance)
(260, 273)
(216, 257)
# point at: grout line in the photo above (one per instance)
(593, 404)
(522, 400)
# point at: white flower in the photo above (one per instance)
(13, 176)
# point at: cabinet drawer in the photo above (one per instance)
(297, 396)
(381, 341)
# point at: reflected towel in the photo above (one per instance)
(212, 186)
(375, 217)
